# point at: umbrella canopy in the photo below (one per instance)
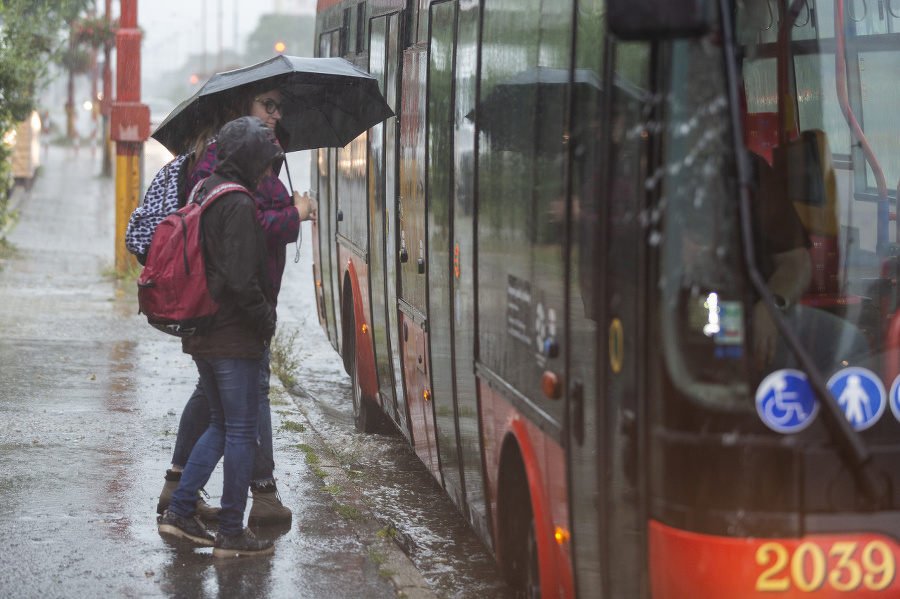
(327, 102)
(537, 96)
(528, 110)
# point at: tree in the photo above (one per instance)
(30, 34)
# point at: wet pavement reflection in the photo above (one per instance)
(90, 398)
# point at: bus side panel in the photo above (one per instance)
(412, 271)
(421, 416)
(463, 249)
(378, 163)
(327, 253)
(357, 275)
(544, 463)
(329, 44)
(393, 77)
(333, 292)
(438, 242)
(317, 273)
(412, 179)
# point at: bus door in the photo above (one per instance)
(384, 65)
(327, 169)
(522, 150)
(606, 318)
(585, 306)
(411, 215)
(450, 254)
(463, 266)
(441, 62)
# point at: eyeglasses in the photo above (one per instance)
(270, 105)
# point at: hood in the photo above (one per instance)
(245, 148)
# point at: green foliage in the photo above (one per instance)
(7, 250)
(96, 32)
(30, 33)
(292, 427)
(349, 512)
(333, 489)
(282, 362)
(77, 60)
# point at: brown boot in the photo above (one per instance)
(172, 480)
(203, 509)
(267, 507)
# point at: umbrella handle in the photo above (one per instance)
(288, 171)
(300, 232)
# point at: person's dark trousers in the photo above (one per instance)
(232, 389)
(195, 420)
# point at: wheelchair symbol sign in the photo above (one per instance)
(785, 402)
(860, 394)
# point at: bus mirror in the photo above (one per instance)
(659, 19)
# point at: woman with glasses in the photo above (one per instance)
(280, 214)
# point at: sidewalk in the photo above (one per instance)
(90, 397)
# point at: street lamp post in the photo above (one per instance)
(129, 127)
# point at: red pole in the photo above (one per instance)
(130, 126)
(106, 102)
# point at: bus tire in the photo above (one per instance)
(366, 413)
(521, 566)
(532, 588)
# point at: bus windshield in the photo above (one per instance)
(819, 85)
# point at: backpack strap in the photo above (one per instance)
(220, 190)
(214, 193)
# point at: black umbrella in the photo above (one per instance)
(327, 102)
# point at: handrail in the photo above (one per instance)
(784, 69)
(840, 76)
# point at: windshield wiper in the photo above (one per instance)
(851, 446)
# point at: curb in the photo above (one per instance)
(393, 563)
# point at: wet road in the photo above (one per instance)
(90, 397)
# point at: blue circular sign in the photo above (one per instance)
(860, 394)
(895, 398)
(785, 402)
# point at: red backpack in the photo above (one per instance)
(172, 290)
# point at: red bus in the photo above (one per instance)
(624, 274)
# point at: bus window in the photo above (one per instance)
(702, 299)
(840, 203)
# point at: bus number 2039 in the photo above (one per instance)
(843, 566)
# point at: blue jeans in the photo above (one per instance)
(232, 388)
(195, 421)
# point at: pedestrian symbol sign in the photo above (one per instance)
(785, 402)
(860, 394)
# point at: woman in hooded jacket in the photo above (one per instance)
(280, 214)
(228, 354)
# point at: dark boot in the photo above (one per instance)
(203, 509)
(267, 507)
(186, 528)
(245, 543)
